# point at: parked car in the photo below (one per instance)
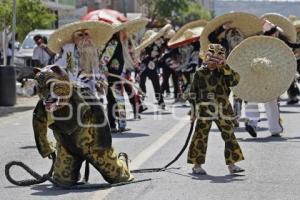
(23, 57)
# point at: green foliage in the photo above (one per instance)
(194, 12)
(178, 11)
(5, 13)
(160, 10)
(31, 14)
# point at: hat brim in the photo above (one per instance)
(297, 25)
(132, 26)
(100, 33)
(263, 84)
(153, 38)
(247, 23)
(179, 40)
(184, 42)
(284, 23)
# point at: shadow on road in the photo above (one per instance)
(156, 113)
(4, 111)
(128, 135)
(295, 105)
(269, 139)
(211, 178)
(28, 147)
(241, 129)
(289, 112)
(50, 190)
(218, 179)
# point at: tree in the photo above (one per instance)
(31, 14)
(178, 11)
(194, 12)
(160, 10)
(5, 13)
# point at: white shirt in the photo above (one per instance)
(41, 55)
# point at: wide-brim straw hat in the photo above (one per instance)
(247, 23)
(188, 33)
(151, 36)
(170, 34)
(100, 33)
(284, 23)
(266, 66)
(132, 26)
(297, 25)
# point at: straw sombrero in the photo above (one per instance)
(297, 25)
(100, 33)
(187, 34)
(151, 36)
(170, 34)
(131, 26)
(284, 23)
(247, 23)
(266, 66)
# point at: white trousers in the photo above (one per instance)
(273, 115)
(272, 112)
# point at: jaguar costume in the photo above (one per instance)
(80, 128)
(209, 95)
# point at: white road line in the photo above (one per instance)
(147, 153)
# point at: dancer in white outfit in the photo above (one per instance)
(273, 115)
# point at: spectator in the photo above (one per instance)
(42, 55)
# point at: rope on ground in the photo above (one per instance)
(173, 161)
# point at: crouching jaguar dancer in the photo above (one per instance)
(80, 128)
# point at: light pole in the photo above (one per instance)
(13, 32)
(125, 7)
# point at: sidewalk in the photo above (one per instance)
(23, 104)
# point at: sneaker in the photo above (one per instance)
(114, 130)
(198, 170)
(123, 130)
(276, 134)
(162, 106)
(233, 169)
(137, 116)
(143, 108)
(292, 101)
(168, 95)
(251, 130)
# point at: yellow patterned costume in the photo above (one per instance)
(209, 95)
(80, 128)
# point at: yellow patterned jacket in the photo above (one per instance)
(210, 92)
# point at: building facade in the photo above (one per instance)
(257, 7)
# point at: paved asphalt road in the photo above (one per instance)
(272, 164)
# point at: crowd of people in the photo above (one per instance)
(103, 57)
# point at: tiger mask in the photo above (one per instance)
(53, 87)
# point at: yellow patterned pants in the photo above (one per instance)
(67, 165)
(198, 146)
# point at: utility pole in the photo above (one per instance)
(13, 33)
(125, 7)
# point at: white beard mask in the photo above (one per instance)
(88, 56)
